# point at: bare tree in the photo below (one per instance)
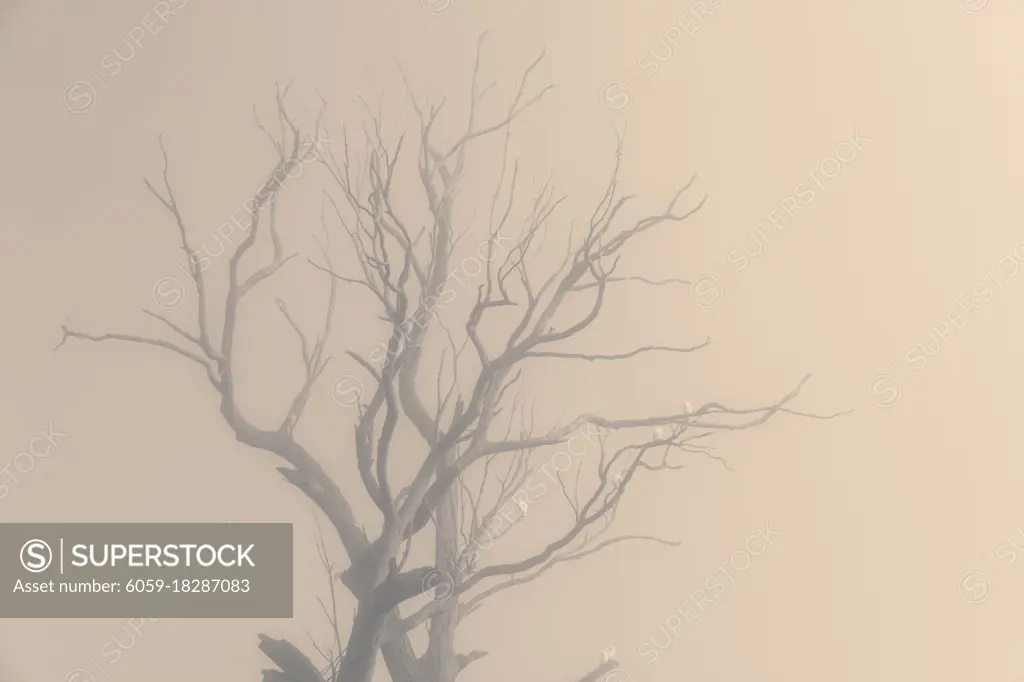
(477, 422)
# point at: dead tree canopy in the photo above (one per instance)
(474, 427)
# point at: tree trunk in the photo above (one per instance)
(363, 644)
(399, 656)
(310, 478)
(441, 657)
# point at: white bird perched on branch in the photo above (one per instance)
(661, 433)
(608, 655)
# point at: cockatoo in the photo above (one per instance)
(689, 407)
(608, 655)
(660, 433)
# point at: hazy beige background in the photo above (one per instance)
(881, 512)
